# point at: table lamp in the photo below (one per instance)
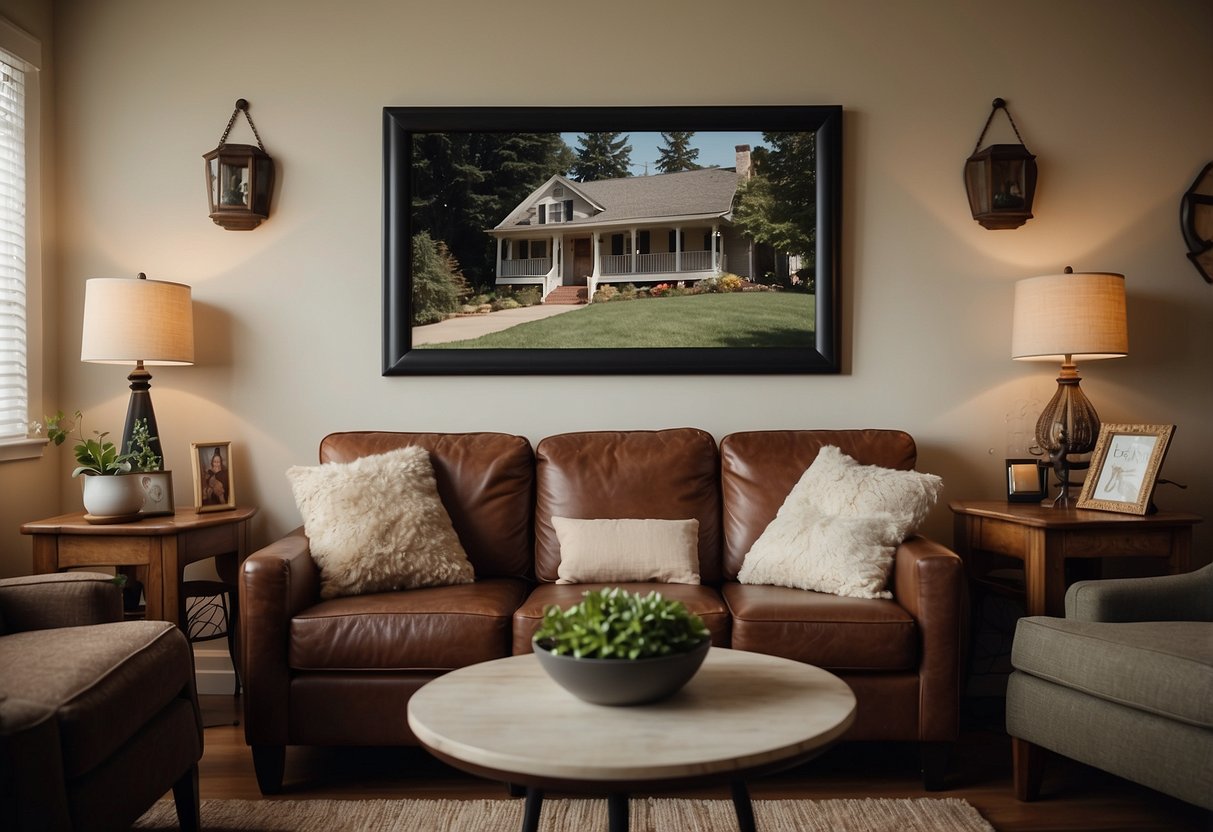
(140, 322)
(1065, 317)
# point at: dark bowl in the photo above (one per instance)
(623, 681)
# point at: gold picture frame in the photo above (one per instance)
(214, 483)
(1125, 467)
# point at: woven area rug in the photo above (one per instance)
(647, 815)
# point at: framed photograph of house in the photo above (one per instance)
(1125, 467)
(157, 492)
(214, 485)
(581, 240)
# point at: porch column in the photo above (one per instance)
(597, 255)
(499, 257)
(635, 249)
(678, 248)
(717, 243)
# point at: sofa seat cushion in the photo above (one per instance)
(433, 628)
(704, 601)
(1162, 667)
(829, 631)
(101, 683)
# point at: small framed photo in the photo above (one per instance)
(157, 492)
(1125, 467)
(214, 485)
(1027, 481)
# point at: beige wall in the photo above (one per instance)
(1112, 95)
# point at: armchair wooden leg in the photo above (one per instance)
(269, 761)
(1028, 764)
(186, 798)
(935, 758)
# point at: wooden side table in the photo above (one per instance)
(1044, 538)
(158, 547)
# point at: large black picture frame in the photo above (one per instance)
(401, 358)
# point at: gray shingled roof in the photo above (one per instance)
(693, 192)
(708, 191)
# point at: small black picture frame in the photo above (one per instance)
(1027, 481)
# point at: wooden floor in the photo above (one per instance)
(1074, 796)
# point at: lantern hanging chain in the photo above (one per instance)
(241, 105)
(999, 104)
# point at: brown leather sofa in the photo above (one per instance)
(98, 716)
(339, 672)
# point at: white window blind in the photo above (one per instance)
(14, 382)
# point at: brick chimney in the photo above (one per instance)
(743, 161)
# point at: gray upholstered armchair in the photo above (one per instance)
(98, 716)
(1124, 683)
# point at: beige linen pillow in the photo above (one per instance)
(377, 523)
(606, 551)
(838, 528)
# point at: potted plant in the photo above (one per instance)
(108, 496)
(621, 648)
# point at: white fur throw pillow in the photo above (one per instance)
(837, 529)
(837, 484)
(377, 524)
(606, 551)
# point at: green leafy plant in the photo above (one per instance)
(617, 624)
(142, 457)
(94, 456)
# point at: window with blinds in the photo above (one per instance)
(14, 385)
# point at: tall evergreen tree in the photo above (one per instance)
(463, 183)
(602, 156)
(676, 154)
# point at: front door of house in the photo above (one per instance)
(583, 262)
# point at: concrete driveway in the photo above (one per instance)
(473, 326)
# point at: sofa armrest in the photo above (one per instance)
(275, 583)
(1186, 597)
(928, 581)
(60, 599)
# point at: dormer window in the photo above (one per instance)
(553, 212)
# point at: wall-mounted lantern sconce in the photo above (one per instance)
(239, 179)
(1000, 179)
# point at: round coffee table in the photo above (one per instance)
(743, 715)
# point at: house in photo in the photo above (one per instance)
(638, 229)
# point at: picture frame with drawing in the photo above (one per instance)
(157, 493)
(1125, 467)
(214, 483)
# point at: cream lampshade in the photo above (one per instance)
(139, 322)
(1065, 317)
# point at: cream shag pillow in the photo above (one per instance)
(378, 524)
(837, 529)
(606, 551)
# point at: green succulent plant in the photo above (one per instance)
(617, 624)
(94, 456)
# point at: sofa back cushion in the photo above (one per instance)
(485, 480)
(759, 468)
(660, 475)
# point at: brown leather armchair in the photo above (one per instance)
(98, 716)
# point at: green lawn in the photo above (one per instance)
(739, 319)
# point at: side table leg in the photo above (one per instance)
(617, 812)
(743, 807)
(530, 812)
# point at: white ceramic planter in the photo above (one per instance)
(112, 496)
